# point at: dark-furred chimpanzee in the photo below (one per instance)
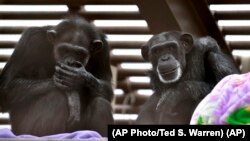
(184, 70)
(53, 71)
(77, 57)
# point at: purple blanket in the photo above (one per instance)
(85, 135)
(228, 103)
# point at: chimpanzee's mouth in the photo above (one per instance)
(170, 71)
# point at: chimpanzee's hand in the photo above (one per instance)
(68, 77)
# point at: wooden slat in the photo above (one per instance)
(112, 15)
(32, 15)
(124, 122)
(125, 58)
(4, 58)
(236, 30)
(232, 15)
(125, 30)
(4, 121)
(128, 86)
(126, 109)
(7, 44)
(59, 15)
(228, 1)
(139, 99)
(12, 30)
(123, 73)
(126, 45)
(112, 44)
(108, 30)
(70, 2)
(114, 59)
(239, 45)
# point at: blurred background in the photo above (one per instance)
(128, 25)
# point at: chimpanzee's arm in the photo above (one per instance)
(106, 89)
(221, 65)
(28, 69)
(98, 86)
(197, 89)
(21, 90)
(218, 63)
(67, 77)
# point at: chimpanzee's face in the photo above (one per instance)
(165, 58)
(72, 44)
(167, 53)
(72, 55)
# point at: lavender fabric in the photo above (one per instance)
(228, 102)
(85, 135)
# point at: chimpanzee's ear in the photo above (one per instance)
(144, 52)
(96, 46)
(187, 42)
(51, 35)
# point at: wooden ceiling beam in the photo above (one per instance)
(187, 17)
(69, 2)
(131, 109)
(7, 44)
(107, 30)
(139, 99)
(236, 30)
(115, 59)
(126, 45)
(239, 45)
(209, 22)
(125, 30)
(123, 73)
(232, 15)
(112, 44)
(158, 15)
(191, 16)
(165, 15)
(128, 85)
(4, 58)
(4, 121)
(60, 15)
(228, 1)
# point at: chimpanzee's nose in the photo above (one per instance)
(165, 58)
(75, 64)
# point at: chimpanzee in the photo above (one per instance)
(184, 70)
(53, 71)
(73, 56)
